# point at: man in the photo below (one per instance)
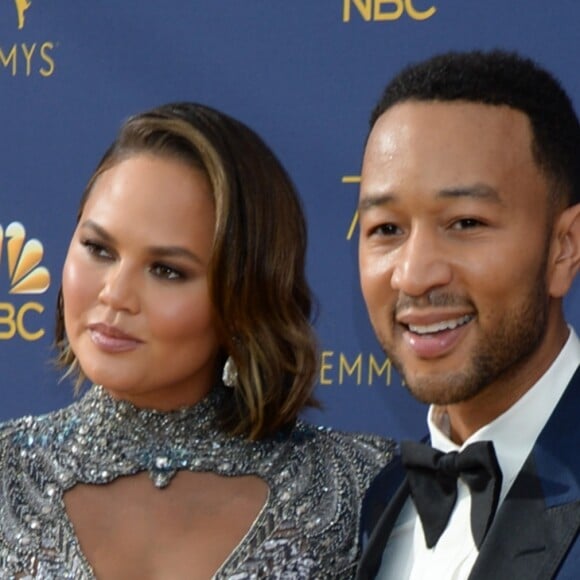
(469, 240)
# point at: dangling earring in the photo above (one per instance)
(230, 373)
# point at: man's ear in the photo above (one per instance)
(564, 259)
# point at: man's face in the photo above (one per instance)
(454, 245)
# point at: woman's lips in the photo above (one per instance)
(111, 339)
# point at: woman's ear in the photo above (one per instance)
(564, 252)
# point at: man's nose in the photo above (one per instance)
(421, 264)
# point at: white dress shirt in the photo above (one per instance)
(513, 434)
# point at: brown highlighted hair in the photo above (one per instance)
(261, 299)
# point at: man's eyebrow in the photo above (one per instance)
(476, 191)
(368, 201)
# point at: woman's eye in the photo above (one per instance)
(97, 250)
(166, 272)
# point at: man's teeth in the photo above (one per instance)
(439, 326)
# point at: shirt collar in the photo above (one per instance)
(515, 431)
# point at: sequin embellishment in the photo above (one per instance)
(308, 529)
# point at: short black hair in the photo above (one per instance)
(502, 78)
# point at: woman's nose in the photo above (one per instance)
(120, 290)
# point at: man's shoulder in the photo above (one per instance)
(555, 453)
(560, 430)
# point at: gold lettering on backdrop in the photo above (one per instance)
(7, 312)
(352, 227)
(7, 58)
(325, 367)
(364, 8)
(28, 52)
(22, 58)
(30, 58)
(384, 10)
(48, 60)
(342, 368)
(417, 14)
(380, 14)
(349, 369)
(354, 220)
(23, 330)
(385, 369)
(12, 321)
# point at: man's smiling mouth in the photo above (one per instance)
(440, 326)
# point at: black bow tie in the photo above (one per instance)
(433, 480)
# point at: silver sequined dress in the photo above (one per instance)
(307, 529)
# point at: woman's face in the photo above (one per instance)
(136, 301)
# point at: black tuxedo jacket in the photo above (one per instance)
(534, 535)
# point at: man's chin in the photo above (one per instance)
(445, 390)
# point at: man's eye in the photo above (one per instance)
(466, 224)
(386, 230)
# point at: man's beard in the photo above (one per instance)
(498, 353)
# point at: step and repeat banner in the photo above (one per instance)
(305, 74)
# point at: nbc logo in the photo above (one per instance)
(22, 258)
(26, 276)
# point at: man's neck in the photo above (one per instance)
(467, 417)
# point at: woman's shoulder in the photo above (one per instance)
(16, 431)
(363, 455)
(27, 443)
(343, 441)
(26, 456)
(12, 430)
(317, 478)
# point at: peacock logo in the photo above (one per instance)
(23, 258)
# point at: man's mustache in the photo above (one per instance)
(431, 299)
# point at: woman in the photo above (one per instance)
(187, 262)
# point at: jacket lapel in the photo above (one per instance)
(380, 515)
(538, 523)
(527, 539)
(540, 518)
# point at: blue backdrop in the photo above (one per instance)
(305, 74)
